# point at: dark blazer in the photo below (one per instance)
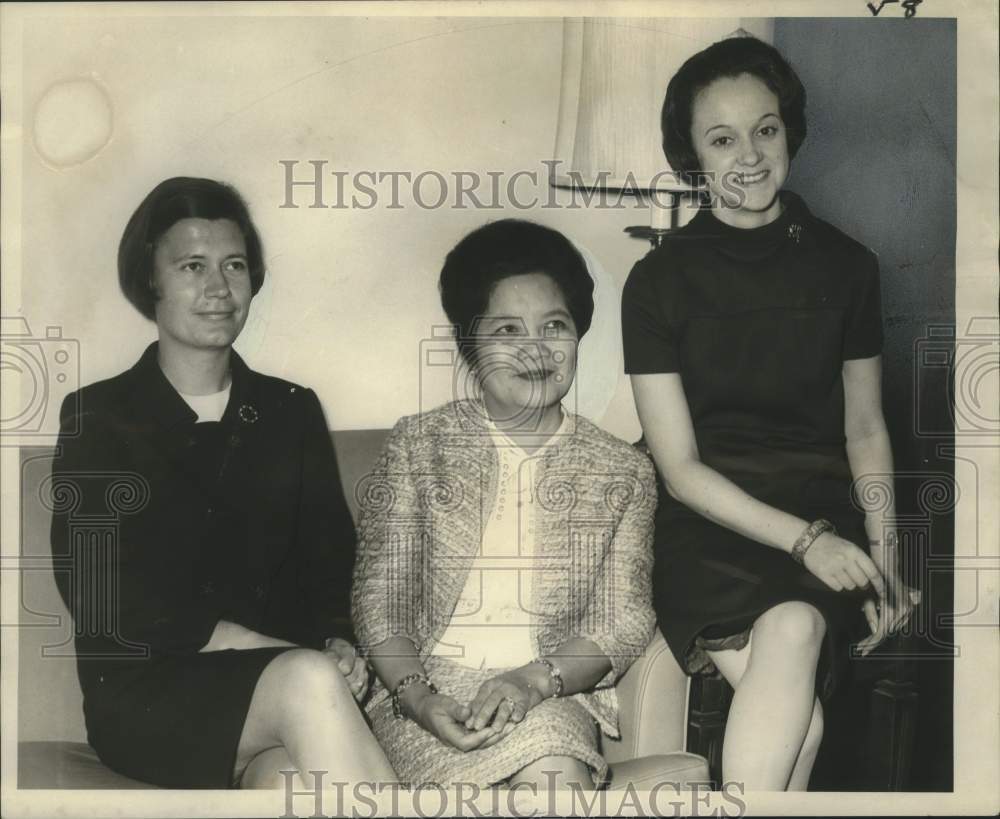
(163, 527)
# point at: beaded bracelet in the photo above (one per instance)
(402, 685)
(808, 537)
(555, 674)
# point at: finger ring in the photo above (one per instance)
(510, 701)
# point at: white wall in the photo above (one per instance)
(351, 292)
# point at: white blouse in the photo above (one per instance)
(209, 407)
(491, 624)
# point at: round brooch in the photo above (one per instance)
(248, 414)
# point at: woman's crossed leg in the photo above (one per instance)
(303, 717)
(775, 722)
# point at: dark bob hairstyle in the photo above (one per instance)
(499, 250)
(728, 58)
(182, 197)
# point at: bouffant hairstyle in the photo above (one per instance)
(499, 250)
(728, 58)
(181, 197)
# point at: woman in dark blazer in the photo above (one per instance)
(205, 618)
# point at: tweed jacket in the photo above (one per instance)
(423, 510)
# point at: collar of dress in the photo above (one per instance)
(507, 446)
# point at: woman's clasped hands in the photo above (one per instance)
(501, 703)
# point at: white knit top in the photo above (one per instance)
(209, 407)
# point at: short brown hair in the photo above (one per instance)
(181, 197)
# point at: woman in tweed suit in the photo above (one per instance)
(503, 575)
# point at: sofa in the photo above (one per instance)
(52, 742)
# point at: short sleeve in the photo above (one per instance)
(863, 325)
(647, 338)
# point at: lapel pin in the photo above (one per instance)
(248, 414)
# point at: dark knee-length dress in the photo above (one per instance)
(758, 323)
(164, 527)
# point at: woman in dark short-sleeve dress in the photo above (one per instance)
(205, 629)
(753, 337)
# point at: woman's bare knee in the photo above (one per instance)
(297, 685)
(793, 624)
(306, 678)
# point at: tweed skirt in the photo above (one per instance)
(555, 727)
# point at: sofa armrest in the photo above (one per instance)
(652, 706)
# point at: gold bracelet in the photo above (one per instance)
(808, 537)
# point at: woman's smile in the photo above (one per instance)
(203, 282)
(752, 178)
(536, 375)
(536, 371)
(216, 315)
(526, 355)
(739, 137)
